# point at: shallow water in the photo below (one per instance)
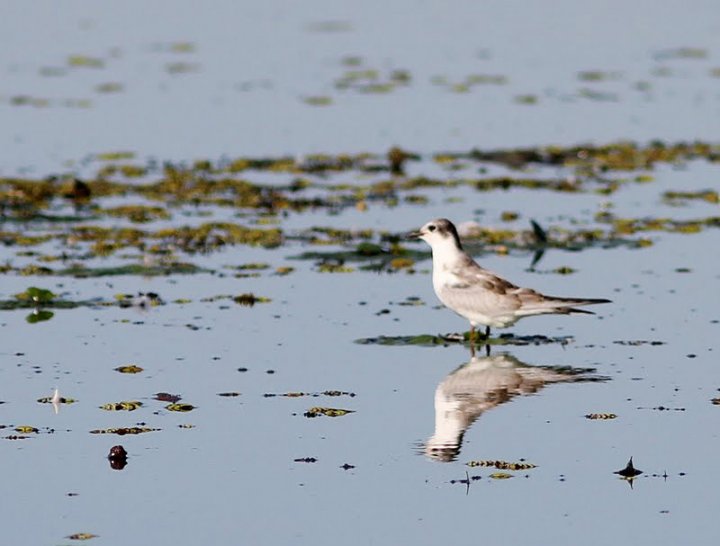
(252, 467)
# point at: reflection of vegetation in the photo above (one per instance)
(39, 315)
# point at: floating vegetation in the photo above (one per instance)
(429, 340)
(167, 397)
(661, 408)
(248, 300)
(84, 61)
(129, 368)
(182, 68)
(58, 400)
(124, 430)
(130, 405)
(328, 412)
(318, 100)
(682, 53)
(180, 407)
(26, 429)
(138, 213)
(81, 536)
(501, 476)
(305, 460)
(370, 80)
(502, 465)
(109, 87)
(244, 200)
(526, 99)
(600, 416)
(300, 394)
(598, 76)
(711, 196)
(466, 84)
(36, 295)
(639, 342)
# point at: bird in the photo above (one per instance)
(479, 295)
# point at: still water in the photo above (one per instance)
(246, 465)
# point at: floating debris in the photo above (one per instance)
(638, 342)
(129, 368)
(131, 405)
(167, 397)
(36, 295)
(248, 300)
(56, 399)
(180, 407)
(501, 476)
(502, 465)
(81, 536)
(124, 430)
(600, 416)
(26, 429)
(629, 472)
(328, 412)
(300, 394)
(117, 457)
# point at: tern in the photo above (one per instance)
(479, 295)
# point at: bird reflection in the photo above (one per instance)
(480, 385)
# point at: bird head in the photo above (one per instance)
(437, 232)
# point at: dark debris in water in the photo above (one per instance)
(629, 472)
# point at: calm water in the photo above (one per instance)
(242, 90)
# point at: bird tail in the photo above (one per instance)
(566, 306)
(563, 306)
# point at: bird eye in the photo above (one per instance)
(431, 228)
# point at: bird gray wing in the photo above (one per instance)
(479, 290)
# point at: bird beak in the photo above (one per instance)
(413, 235)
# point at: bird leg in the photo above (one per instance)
(472, 340)
(487, 332)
